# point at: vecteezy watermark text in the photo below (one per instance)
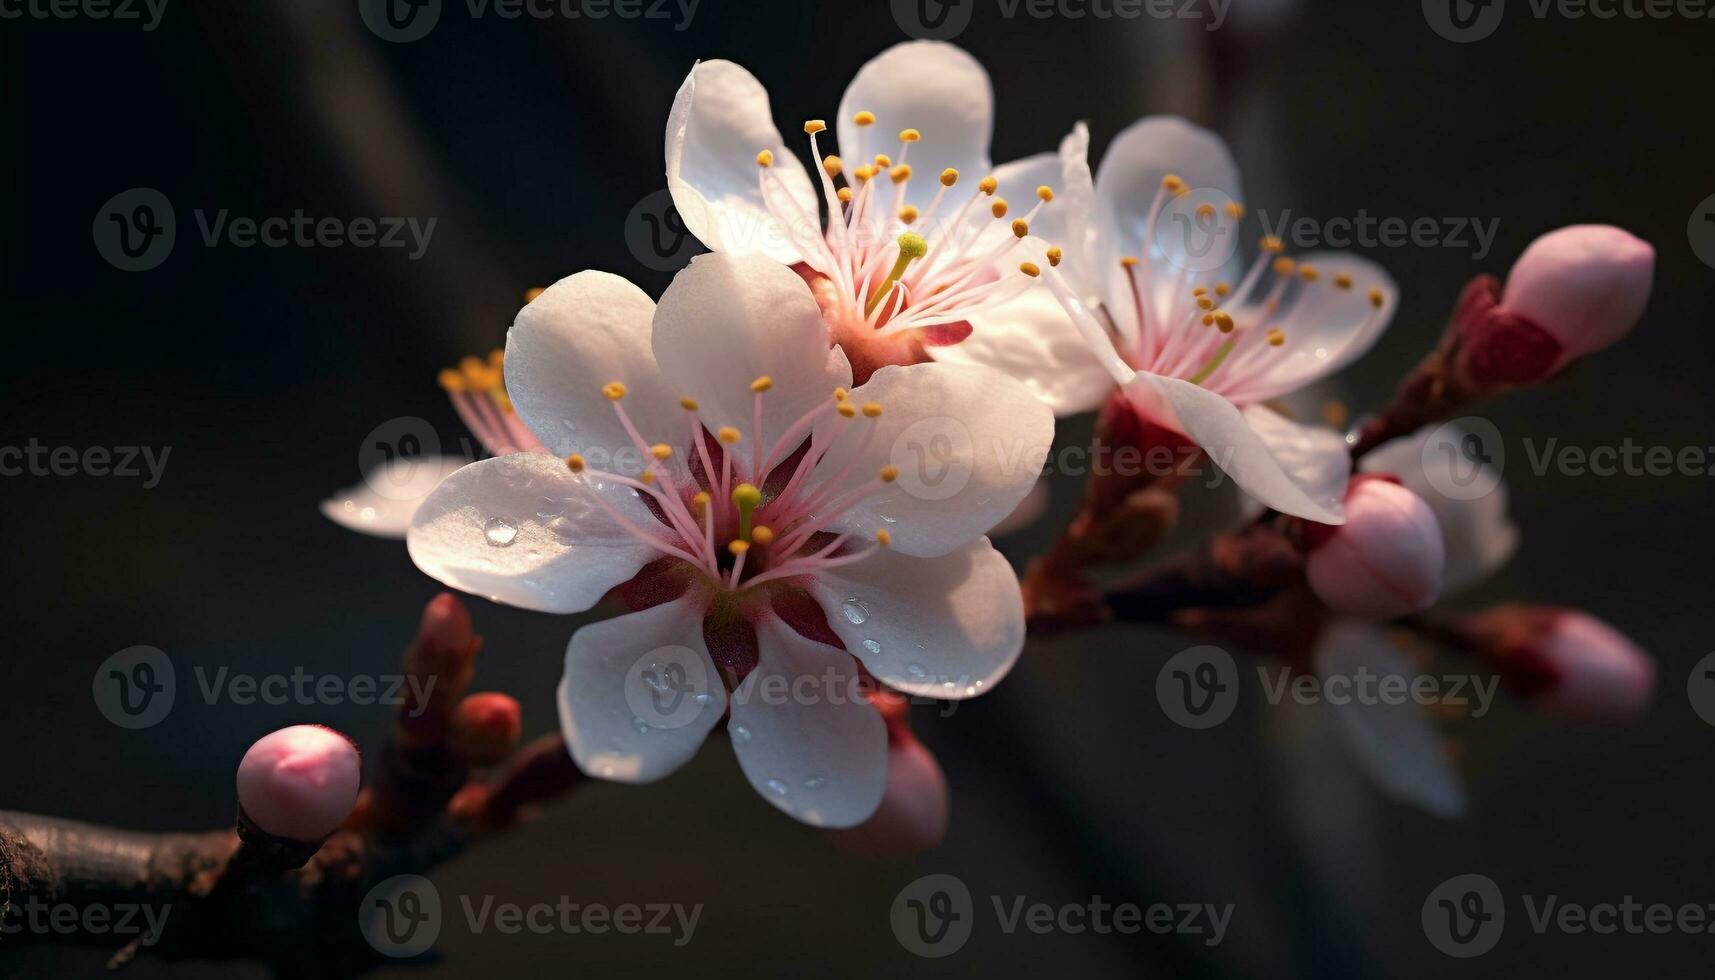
(404, 21)
(148, 12)
(943, 20)
(141, 921)
(35, 459)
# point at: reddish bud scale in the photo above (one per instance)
(486, 728)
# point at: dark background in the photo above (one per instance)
(531, 141)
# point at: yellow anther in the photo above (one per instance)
(883, 538)
(909, 136)
(1172, 183)
(1129, 261)
(840, 394)
(1054, 255)
(864, 118)
(1199, 291)
(728, 435)
(1271, 245)
(472, 366)
(844, 194)
(738, 547)
(1284, 266)
(888, 473)
(531, 294)
(614, 391)
(1045, 192)
(988, 185)
(949, 177)
(1208, 319)
(765, 158)
(1030, 269)
(1235, 210)
(1223, 321)
(907, 214)
(497, 358)
(814, 126)
(700, 503)
(661, 451)
(832, 164)
(1308, 272)
(451, 380)
(1275, 336)
(1205, 210)
(575, 463)
(1020, 227)
(688, 404)
(883, 161)
(648, 477)
(1377, 298)
(900, 174)
(1205, 303)
(998, 208)
(864, 172)
(762, 534)
(1222, 289)
(912, 245)
(872, 410)
(845, 409)
(1343, 281)
(762, 384)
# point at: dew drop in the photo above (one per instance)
(856, 612)
(740, 733)
(872, 646)
(816, 781)
(638, 723)
(498, 533)
(777, 787)
(703, 698)
(916, 670)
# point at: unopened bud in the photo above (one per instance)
(1385, 561)
(486, 728)
(1569, 660)
(299, 783)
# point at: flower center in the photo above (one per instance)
(897, 268)
(743, 534)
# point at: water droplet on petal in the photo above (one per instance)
(498, 533)
(856, 612)
(777, 786)
(916, 670)
(638, 723)
(872, 646)
(703, 698)
(740, 733)
(816, 781)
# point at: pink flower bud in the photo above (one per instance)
(1569, 660)
(912, 816)
(1573, 292)
(299, 783)
(486, 728)
(1385, 561)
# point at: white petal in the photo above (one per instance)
(523, 530)
(1395, 744)
(1064, 221)
(640, 692)
(814, 749)
(383, 503)
(968, 443)
(719, 121)
(1031, 338)
(1329, 327)
(934, 88)
(1314, 456)
(1300, 483)
(948, 627)
(1028, 511)
(1479, 535)
(581, 333)
(723, 323)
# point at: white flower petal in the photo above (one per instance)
(581, 333)
(383, 503)
(968, 444)
(1394, 744)
(1314, 456)
(1064, 221)
(1329, 327)
(1298, 482)
(725, 322)
(948, 627)
(1479, 535)
(523, 530)
(640, 692)
(815, 750)
(1031, 338)
(719, 121)
(934, 88)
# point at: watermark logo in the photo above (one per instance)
(408, 439)
(933, 20)
(1464, 21)
(400, 21)
(135, 687)
(1463, 459)
(668, 687)
(1464, 916)
(1194, 230)
(401, 916)
(933, 916)
(1199, 687)
(134, 231)
(657, 235)
(935, 458)
(1700, 688)
(1701, 231)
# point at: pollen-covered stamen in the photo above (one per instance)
(477, 389)
(911, 247)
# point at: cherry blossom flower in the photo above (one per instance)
(1198, 342)
(923, 232)
(710, 463)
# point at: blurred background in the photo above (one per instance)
(535, 144)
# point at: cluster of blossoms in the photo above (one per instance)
(743, 464)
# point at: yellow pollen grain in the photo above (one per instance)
(575, 463)
(1223, 321)
(497, 358)
(648, 477)
(531, 294)
(888, 473)
(765, 158)
(900, 174)
(1129, 261)
(845, 409)
(661, 451)
(1054, 255)
(1199, 291)
(762, 534)
(1284, 266)
(988, 185)
(1046, 193)
(1208, 319)
(1205, 303)
(1030, 269)
(840, 394)
(833, 165)
(1271, 245)
(1172, 183)
(844, 194)
(762, 384)
(614, 391)
(451, 380)
(909, 136)
(700, 502)
(1343, 281)
(864, 118)
(907, 214)
(949, 177)
(814, 126)
(1205, 210)
(1376, 298)
(738, 547)
(998, 208)
(872, 410)
(883, 161)
(1222, 289)
(688, 404)
(1275, 337)
(1235, 210)
(1308, 272)
(728, 435)
(1020, 227)
(883, 538)
(864, 172)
